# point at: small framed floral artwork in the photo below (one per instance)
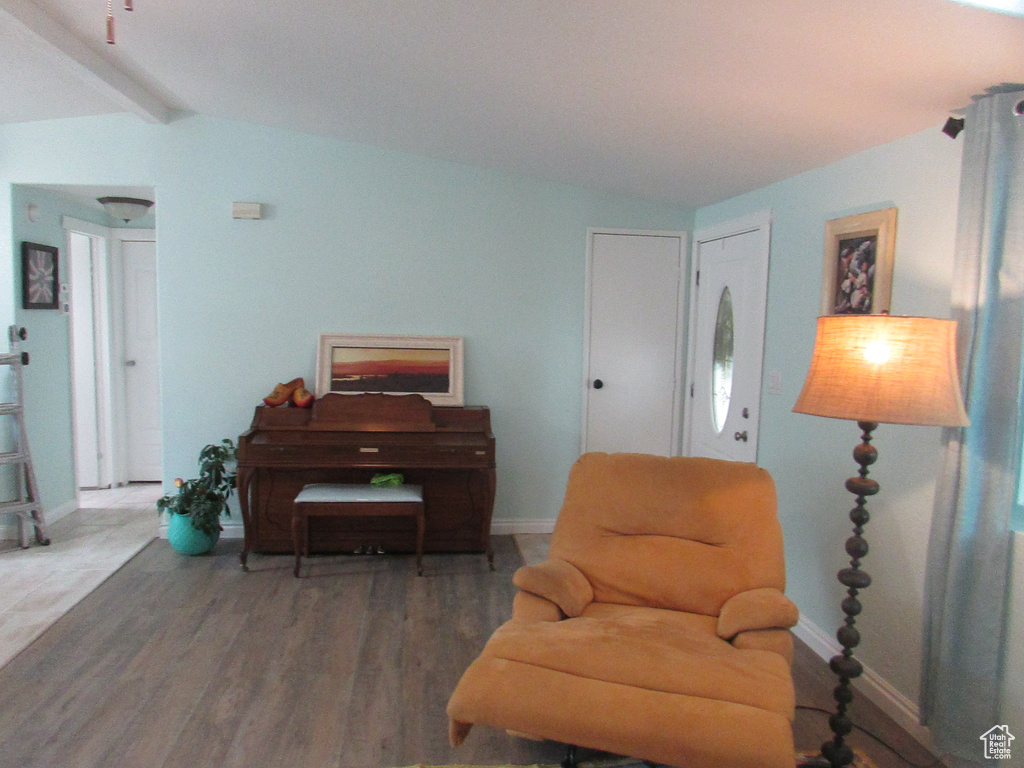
(859, 250)
(39, 279)
(426, 365)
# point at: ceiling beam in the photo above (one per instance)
(45, 34)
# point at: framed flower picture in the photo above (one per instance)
(39, 278)
(857, 276)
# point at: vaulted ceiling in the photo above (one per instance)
(691, 101)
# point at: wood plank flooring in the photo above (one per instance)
(191, 663)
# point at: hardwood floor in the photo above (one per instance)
(814, 683)
(190, 662)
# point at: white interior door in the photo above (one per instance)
(632, 386)
(729, 295)
(142, 362)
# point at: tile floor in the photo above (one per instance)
(40, 584)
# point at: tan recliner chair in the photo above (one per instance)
(657, 628)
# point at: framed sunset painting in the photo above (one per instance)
(396, 365)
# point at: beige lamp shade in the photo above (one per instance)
(884, 369)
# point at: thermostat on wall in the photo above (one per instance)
(247, 210)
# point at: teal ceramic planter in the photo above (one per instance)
(187, 540)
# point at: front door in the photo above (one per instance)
(729, 295)
(632, 386)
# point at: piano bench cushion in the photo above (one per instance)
(339, 493)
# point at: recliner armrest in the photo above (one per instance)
(762, 608)
(529, 607)
(558, 581)
(778, 641)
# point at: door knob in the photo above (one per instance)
(598, 383)
(741, 436)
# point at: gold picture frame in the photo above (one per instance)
(396, 365)
(859, 253)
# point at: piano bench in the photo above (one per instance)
(348, 500)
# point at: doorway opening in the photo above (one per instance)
(114, 351)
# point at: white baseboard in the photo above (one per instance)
(872, 685)
(9, 528)
(508, 527)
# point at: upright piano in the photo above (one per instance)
(350, 438)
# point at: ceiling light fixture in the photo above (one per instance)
(128, 6)
(126, 208)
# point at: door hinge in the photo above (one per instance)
(691, 389)
(698, 277)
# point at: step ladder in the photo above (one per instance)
(26, 506)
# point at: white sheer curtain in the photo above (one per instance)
(969, 558)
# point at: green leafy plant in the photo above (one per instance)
(205, 498)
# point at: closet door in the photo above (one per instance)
(142, 362)
(632, 386)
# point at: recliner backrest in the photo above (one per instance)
(680, 533)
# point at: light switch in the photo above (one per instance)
(774, 382)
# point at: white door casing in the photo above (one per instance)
(632, 389)
(90, 345)
(85, 403)
(141, 362)
(728, 259)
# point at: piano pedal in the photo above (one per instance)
(359, 550)
(380, 550)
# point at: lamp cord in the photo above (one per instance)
(866, 732)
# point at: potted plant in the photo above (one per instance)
(194, 511)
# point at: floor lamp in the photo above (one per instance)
(874, 369)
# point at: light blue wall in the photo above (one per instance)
(357, 240)
(811, 457)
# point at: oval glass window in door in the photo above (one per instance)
(721, 368)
